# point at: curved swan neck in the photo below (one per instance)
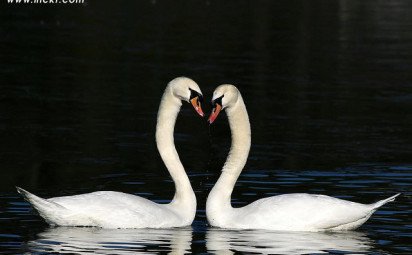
(241, 138)
(166, 120)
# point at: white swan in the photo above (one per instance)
(109, 209)
(292, 212)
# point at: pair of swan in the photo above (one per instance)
(292, 212)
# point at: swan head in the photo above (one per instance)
(224, 96)
(187, 90)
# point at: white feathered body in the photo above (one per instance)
(297, 212)
(107, 209)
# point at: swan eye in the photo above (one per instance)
(197, 96)
(217, 101)
(194, 93)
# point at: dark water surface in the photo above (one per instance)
(328, 87)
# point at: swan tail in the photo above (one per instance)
(384, 201)
(357, 222)
(47, 209)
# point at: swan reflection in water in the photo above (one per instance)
(220, 241)
(69, 240)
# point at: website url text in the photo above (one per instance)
(45, 1)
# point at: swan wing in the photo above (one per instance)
(304, 212)
(107, 209)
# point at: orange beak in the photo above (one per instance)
(215, 111)
(196, 104)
